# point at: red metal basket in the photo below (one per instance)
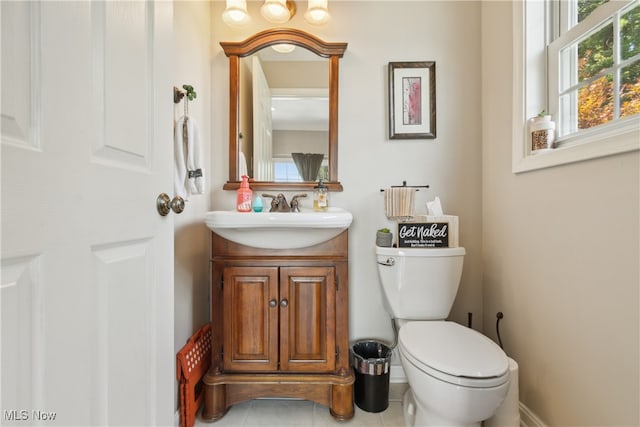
(193, 361)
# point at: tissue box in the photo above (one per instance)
(426, 231)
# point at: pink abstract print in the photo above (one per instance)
(411, 100)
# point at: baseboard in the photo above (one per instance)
(176, 419)
(528, 418)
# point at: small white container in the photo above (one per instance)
(542, 133)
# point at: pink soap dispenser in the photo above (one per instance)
(244, 196)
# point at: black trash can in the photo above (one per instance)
(371, 361)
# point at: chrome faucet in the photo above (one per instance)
(279, 203)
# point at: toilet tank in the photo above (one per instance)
(420, 283)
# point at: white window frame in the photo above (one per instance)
(530, 97)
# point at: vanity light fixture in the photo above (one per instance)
(317, 12)
(277, 11)
(236, 15)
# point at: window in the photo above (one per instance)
(286, 170)
(587, 77)
(594, 73)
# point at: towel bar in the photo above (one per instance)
(404, 184)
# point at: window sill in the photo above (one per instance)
(590, 145)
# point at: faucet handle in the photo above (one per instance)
(294, 202)
(274, 202)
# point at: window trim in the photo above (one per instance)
(529, 97)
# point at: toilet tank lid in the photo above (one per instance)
(453, 349)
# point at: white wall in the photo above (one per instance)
(377, 33)
(561, 260)
(192, 40)
(286, 142)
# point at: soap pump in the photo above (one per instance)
(244, 196)
(320, 197)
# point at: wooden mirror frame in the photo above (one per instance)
(237, 50)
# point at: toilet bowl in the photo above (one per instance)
(457, 376)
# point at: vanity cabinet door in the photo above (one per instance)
(307, 319)
(251, 307)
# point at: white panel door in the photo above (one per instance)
(86, 261)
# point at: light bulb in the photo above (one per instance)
(317, 12)
(275, 11)
(283, 47)
(236, 15)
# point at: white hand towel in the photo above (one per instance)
(242, 165)
(195, 171)
(180, 171)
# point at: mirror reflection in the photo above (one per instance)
(284, 115)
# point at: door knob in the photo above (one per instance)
(284, 303)
(165, 204)
(273, 303)
(177, 204)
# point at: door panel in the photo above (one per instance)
(307, 323)
(21, 298)
(251, 318)
(123, 330)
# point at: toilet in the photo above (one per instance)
(457, 376)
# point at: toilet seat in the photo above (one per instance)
(453, 353)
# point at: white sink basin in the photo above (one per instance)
(279, 230)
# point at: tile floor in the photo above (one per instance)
(302, 413)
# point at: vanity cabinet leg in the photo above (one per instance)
(342, 402)
(214, 402)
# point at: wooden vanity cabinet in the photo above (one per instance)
(279, 324)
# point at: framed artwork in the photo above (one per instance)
(412, 100)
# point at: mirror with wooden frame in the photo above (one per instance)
(239, 51)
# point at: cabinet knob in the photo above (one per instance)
(284, 303)
(273, 303)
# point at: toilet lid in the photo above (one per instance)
(453, 349)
